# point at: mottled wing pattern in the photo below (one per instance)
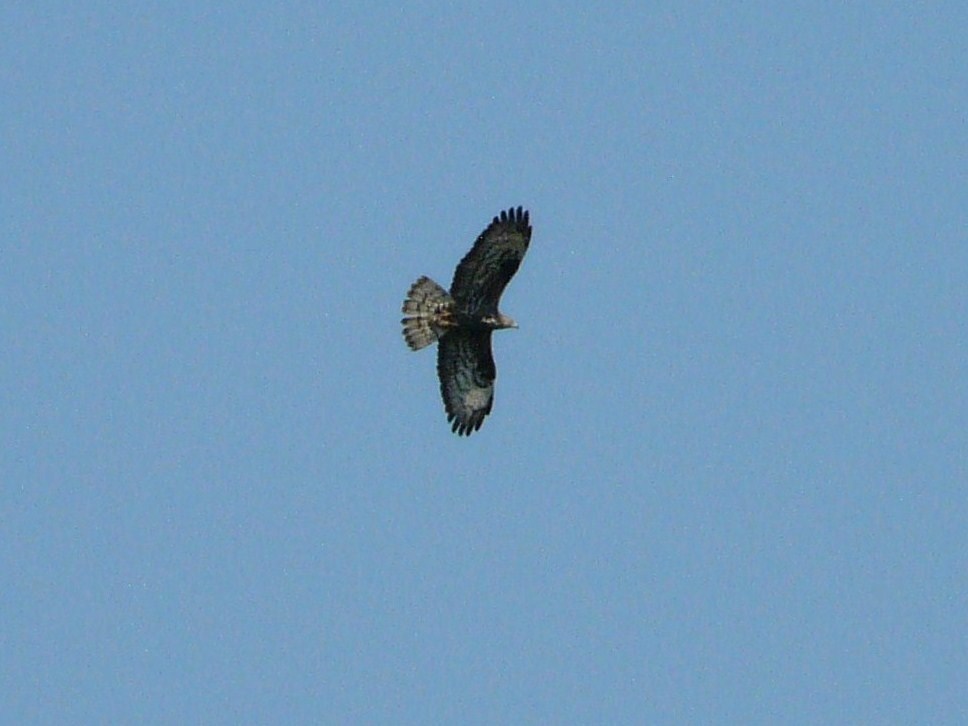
(484, 272)
(466, 370)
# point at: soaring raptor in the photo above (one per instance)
(462, 320)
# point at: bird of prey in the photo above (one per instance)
(462, 320)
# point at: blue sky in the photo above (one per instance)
(725, 475)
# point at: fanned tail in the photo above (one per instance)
(429, 311)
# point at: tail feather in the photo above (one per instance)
(429, 311)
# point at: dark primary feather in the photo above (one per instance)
(466, 370)
(482, 275)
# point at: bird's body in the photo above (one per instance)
(463, 319)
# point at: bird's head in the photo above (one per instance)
(500, 321)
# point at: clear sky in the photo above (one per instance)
(726, 474)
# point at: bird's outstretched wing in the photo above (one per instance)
(482, 275)
(466, 370)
